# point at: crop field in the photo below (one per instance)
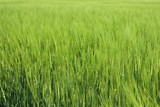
(79, 53)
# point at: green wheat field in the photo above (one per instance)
(79, 53)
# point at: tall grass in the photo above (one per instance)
(80, 54)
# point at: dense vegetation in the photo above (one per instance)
(79, 53)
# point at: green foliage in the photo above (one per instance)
(79, 54)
